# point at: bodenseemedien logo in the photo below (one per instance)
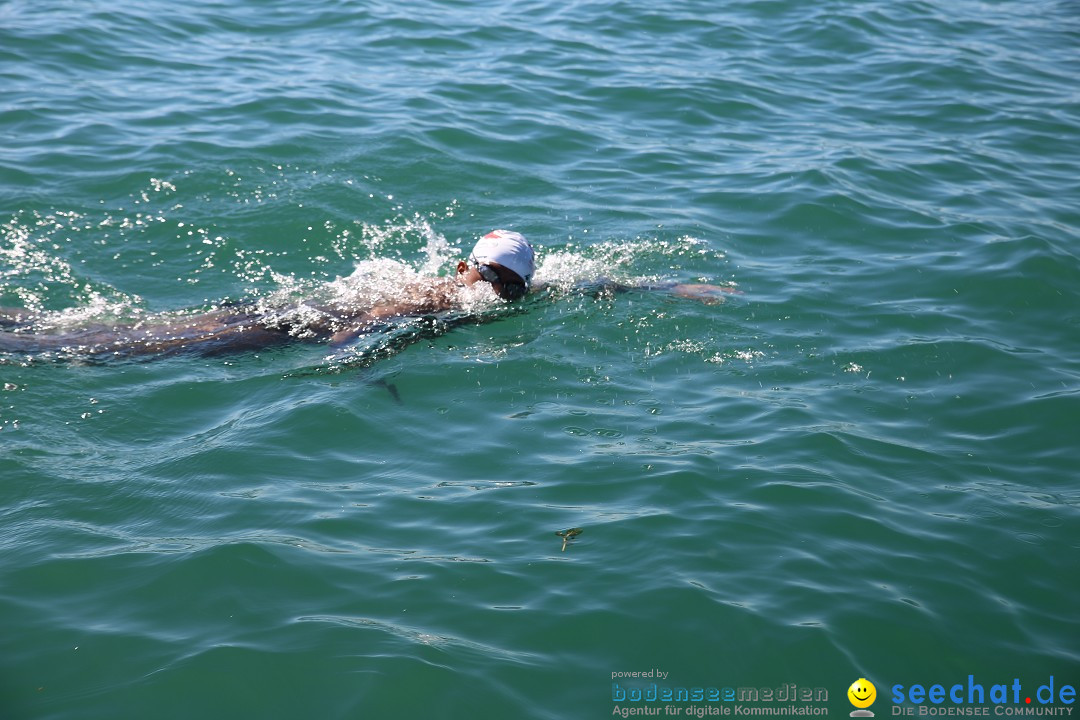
(862, 694)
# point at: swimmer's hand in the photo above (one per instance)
(705, 294)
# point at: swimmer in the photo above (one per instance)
(502, 261)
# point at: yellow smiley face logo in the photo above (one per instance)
(862, 693)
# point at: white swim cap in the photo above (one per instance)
(509, 249)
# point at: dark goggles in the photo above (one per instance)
(511, 290)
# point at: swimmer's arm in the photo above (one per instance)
(701, 292)
(343, 337)
(438, 301)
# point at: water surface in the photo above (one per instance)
(864, 465)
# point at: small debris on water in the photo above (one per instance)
(568, 535)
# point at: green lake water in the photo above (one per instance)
(863, 464)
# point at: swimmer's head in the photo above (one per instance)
(503, 258)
